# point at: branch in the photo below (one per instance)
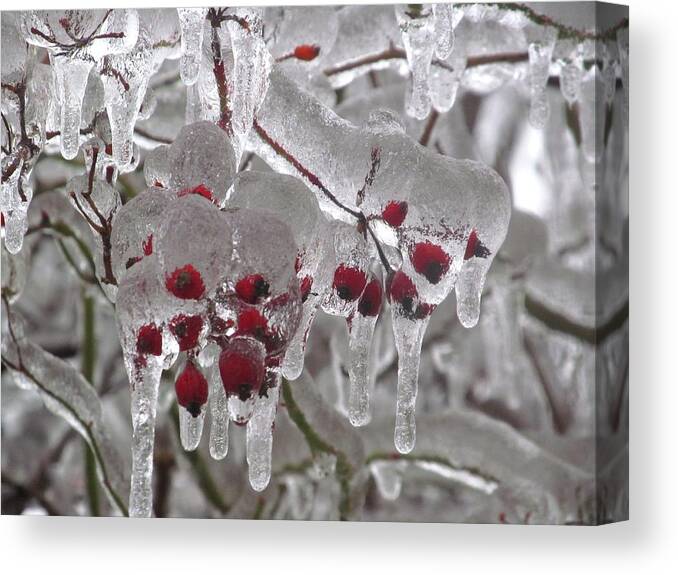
(344, 470)
(363, 224)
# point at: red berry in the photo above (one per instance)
(394, 213)
(298, 263)
(401, 290)
(370, 302)
(251, 288)
(475, 248)
(186, 328)
(252, 323)
(185, 283)
(149, 340)
(242, 370)
(306, 52)
(349, 283)
(192, 389)
(430, 261)
(305, 287)
(147, 245)
(200, 190)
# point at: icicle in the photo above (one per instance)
(623, 46)
(260, 435)
(190, 429)
(444, 83)
(540, 51)
(191, 21)
(14, 208)
(252, 65)
(293, 363)
(444, 30)
(408, 335)
(592, 115)
(125, 79)
(417, 29)
(570, 79)
(388, 477)
(468, 289)
(360, 332)
(71, 80)
(146, 381)
(219, 413)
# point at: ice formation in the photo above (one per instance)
(276, 195)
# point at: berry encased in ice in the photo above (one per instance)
(185, 283)
(242, 370)
(252, 288)
(475, 248)
(370, 302)
(430, 260)
(349, 282)
(191, 389)
(186, 329)
(394, 213)
(149, 340)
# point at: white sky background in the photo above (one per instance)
(646, 544)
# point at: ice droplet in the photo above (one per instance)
(219, 414)
(417, 29)
(260, 434)
(388, 477)
(13, 207)
(469, 288)
(360, 332)
(540, 50)
(190, 428)
(191, 21)
(408, 335)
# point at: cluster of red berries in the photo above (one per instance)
(251, 341)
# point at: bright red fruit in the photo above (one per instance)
(430, 261)
(200, 190)
(306, 52)
(475, 248)
(147, 245)
(370, 302)
(186, 328)
(252, 323)
(149, 340)
(192, 389)
(242, 370)
(252, 288)
(185, 283)
(349, 282)
(402, 290)
(394, 213)
(305, 287)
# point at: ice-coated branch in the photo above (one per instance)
(216, 17)
(362, 220)
(67, 394)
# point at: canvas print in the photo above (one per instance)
(364, 263)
